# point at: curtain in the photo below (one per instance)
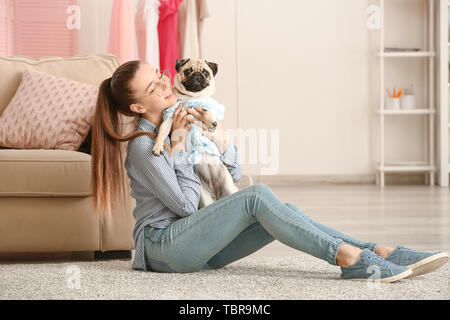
(6, 27)
(36, 28)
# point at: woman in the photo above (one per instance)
(171, 234)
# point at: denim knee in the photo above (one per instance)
(260, 188)
(256, 193)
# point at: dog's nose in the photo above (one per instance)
(197, 75)
(214, 124)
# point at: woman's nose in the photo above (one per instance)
(163, 85)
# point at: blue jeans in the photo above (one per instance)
(236, 226)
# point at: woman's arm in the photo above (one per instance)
(231, 160)
(177, 188)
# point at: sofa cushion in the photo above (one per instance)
(44, 173)
(48, 112)
(90, 69)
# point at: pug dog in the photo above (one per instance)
(194, 85)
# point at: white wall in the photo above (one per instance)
(306, 68)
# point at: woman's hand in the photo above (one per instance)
(219, 136)
(180, 128)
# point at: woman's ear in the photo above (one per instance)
(214, 67)
(180, 62)
(137, 108)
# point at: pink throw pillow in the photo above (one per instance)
(48, 112)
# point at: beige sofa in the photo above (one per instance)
(45, 197)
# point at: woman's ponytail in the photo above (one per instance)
(108, 176)
(105, 152)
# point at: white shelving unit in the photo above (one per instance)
(444, 87)
(429, 111)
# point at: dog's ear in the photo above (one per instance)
(213, 67)
(180, 62)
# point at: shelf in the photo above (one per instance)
(406, 167)
(406, 111)
(443, 93)
(427, 108)
(406, 54)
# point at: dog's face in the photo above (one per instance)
(195, 74)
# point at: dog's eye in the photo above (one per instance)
(187, 72)
(205, 72)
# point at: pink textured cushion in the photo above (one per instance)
(48, 112)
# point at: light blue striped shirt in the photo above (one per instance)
(165, 189)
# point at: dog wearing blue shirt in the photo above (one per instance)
(194, 85)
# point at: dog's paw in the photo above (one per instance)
(158, 149)
(211, 125)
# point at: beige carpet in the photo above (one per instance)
(298, 277)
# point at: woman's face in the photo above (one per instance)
(149, 100)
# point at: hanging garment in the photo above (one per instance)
(146, 23)
(202, 13)
(168, 35)
(191, 15)
(121, 32)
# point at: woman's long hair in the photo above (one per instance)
(108, 176)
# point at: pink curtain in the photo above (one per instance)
(121, 32)
(36, 28)
(6, 27)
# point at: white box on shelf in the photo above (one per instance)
(408, 101)
(392, 103)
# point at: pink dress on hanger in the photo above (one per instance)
(168, 35)
(121, 32)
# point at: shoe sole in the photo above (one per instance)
(394, 278)
(429, 264)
